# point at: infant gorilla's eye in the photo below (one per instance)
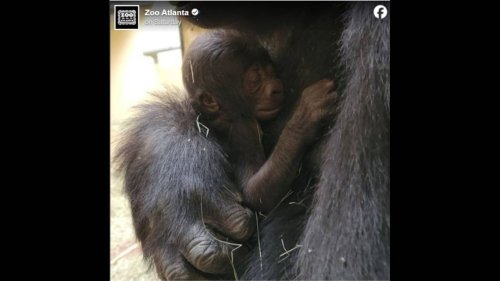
(253, 75)
(270, 71)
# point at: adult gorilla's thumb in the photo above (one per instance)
(207, 253)
(230, 219)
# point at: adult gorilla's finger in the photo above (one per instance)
(232, 220)
(205, 252)
(171, 265)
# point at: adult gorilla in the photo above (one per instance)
(336, 223)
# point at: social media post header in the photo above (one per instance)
(130, 15)
(133, 15)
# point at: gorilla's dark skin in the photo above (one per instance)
(337, 220)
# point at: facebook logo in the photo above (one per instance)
(380, 12)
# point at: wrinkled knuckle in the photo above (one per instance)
(176, 271)
(207, 256)
(242, 223)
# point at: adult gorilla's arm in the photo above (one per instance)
(177, 181)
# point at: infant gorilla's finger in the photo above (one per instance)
(331, 106)
(333, 88)
(333, 99)
(317, 87)
(207, 253)
(171, 265)
(329, 86)
(324, 85)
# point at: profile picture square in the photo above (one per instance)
(126, 17)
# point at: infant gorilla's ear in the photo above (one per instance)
(204, 102)
(209, 103)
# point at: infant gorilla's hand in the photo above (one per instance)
(317, 104)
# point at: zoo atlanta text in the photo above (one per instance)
(165, 12)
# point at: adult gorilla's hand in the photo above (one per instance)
(204, 247)
(178, 182)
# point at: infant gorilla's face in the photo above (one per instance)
(264, 91)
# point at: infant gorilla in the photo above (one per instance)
(232, 84)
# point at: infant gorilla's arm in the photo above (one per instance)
(264, 182)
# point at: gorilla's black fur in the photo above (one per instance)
(348, 231)
(336, 223)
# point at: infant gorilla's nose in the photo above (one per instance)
(274, 88)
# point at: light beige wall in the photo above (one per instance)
(133, 75)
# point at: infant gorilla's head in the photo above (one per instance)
(228, 76)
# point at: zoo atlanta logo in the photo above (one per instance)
(126, 17)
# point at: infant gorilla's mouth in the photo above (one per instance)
(270, 109)
(268, 113)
